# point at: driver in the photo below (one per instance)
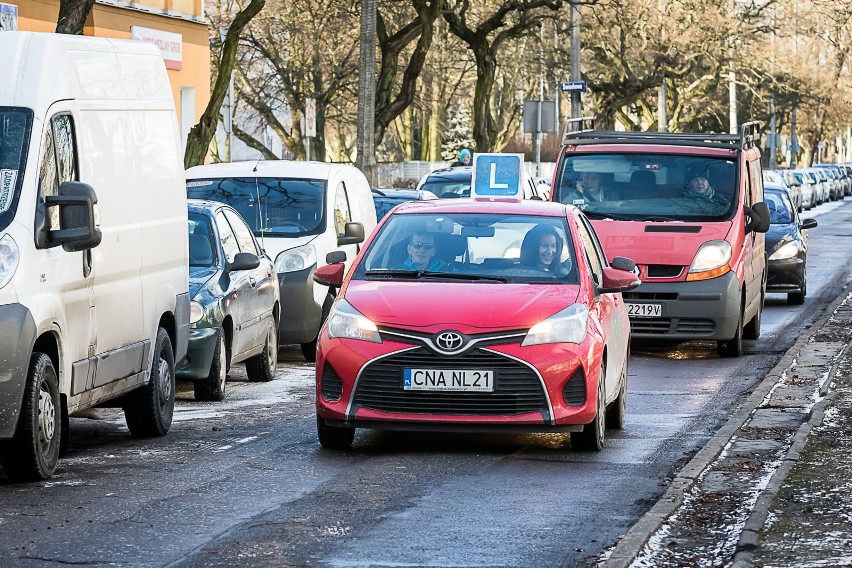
(421, 253)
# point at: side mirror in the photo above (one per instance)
(808, 224)
(353, 234)
(623, 263)
(758, 220)
(615, 280)
(335, 257)
(244, 261)
(79, 219)
(330, 275)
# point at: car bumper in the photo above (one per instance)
(301, 317)
(541, 388)
(17, 330)
(199, 355)
(786, 275)
(706, 309)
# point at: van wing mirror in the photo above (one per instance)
(808, 224)
(79, 221)
(330, 275)
(623, 263)
(758, 218)
(615, 280)
(244, 261)
(335, 257)
(353, 234)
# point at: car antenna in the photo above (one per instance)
(257, 163)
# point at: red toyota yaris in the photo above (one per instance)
(476, 315)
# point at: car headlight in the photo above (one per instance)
(346, 322)
(711, 260)
(9, 258)
(789, 250)
(567, 326)
(196, 312)
(295, 259)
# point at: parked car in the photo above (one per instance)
(808, 186)
(455, 182)
(235, 304)
(386, 199)
(787, 246)
(493, 336)
(689, 209)
(299, 211)
(789, 181)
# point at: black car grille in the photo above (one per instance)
(649, 296)
(517, 389)
(682, 326)
(664, 271)
(332, 386)
(574, 392)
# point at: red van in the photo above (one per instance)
(688, 208)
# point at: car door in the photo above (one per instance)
(262, 299)
(239, 293)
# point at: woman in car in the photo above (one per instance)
(542, 249)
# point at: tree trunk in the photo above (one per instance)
(199, 138)
(73, 15)
(484, 129)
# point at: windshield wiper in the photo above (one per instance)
(417, 274)
(598, 215)
(657, 218)
(463, 276)
(396, 273)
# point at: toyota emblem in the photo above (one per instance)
(449, 340)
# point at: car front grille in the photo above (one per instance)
(517, 388)
(332, 386)
(664, 271)
(649, 296)
(682, 326)
(574, 392)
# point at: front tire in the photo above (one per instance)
(734, 346)
(213, 387)
(33, 453)
(149, 409)
(752, 330)
(798, 298)
(593, 436)
(261, 368)
(334, 437)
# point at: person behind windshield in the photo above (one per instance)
(464, 159)
(421, 253)
(699, 188)
(542, 248)
(591, 189)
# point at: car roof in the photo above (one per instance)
(402, 192)
(203, 205)
(484, 206)
(457, 173)
(774, 186)
(267, 168)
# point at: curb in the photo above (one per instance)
(632, 543)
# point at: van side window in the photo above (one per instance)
(748, 185)
(756, 182)
(66, 154)
(341, 209)
(243, 233)
(226, 234)
(58, 163)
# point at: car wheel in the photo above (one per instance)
(149, 409)
(798, 298)
(733, 347)
(334, 437)
(617, 412)
(261, 368)
(213, 387)
(592, 437)
(34, 451)
(752, 330)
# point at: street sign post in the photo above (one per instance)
(310, 124)
(573, 86)
(497, 175)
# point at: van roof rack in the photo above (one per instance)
(581, 132)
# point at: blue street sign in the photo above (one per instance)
(497, 175)
(568, 86)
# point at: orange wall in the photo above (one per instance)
(109, 21)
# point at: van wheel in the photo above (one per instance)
(334, 437)
(213, 387)
(752, 330)
(593, 436)
(734, 346)
(34, 451)
(149, 409)
(617, 412)
(261, 368)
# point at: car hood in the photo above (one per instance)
(671, 243)
(778, 233)
(199, 276)
(466, 307)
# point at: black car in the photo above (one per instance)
(235, 301)
(386, 199)
(786, 245)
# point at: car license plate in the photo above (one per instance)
(448, 380)
(645, 310)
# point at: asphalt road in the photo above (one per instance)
(244, 482)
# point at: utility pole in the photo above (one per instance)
(662, 118)
(576, 100)
(732, 98)
(772, 135)
(366, 133)
(538, 137)
(794, 141)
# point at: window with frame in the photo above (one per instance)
(593, 257)
(242, 232)
(227, 236)
(341, 209)
(58, 163)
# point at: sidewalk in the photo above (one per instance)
(773, 487)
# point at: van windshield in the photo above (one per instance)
(649, 187)
(283, 207)
(15, 127)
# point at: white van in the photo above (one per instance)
(94, 304)
(300, 212)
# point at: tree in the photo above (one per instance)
(201, 134)
(73, 15)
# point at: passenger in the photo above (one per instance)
(421, 253)
(542, 249)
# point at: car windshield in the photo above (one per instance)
(780, 208)
(448, 188)
(662, 187)
(286, 207)
(202, 252)
(465, 247)
(15, 127)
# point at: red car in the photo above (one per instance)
(476, 315)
